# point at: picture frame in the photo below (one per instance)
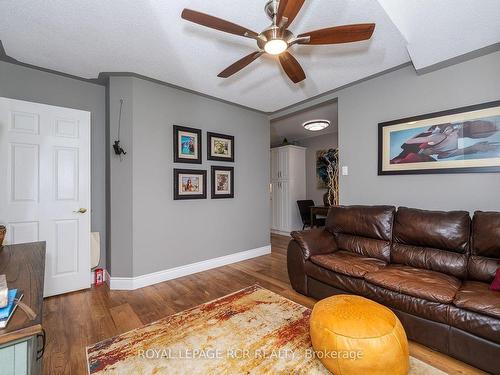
(222, 181)
(220, 147)
(190, 184)
(187, 145)
(460, 140)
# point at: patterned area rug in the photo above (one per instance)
(252, 331)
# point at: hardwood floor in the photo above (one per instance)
(75, 320)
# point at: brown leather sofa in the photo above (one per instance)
(433, 269)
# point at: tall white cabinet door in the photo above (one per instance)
(45, 187)
(274, 165)
(275, 203)
(289, 185)
(285, 206)
(283, 156)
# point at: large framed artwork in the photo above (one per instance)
(461, 140)
(222, 182)
(187, 145)
(220, 147)
(190, 184)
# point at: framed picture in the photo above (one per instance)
(220, 147)
(222, 182)
(326, 163)
(190, 184)
(187, 145)
(461, 140)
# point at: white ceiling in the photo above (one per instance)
(290, 127)
(440, 30)
(148, 37)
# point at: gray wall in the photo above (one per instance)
(120, 254)
(163, 233)
(17, 82)
(402, 94)
(313, 144)
(399, 94)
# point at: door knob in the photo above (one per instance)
(81, 211)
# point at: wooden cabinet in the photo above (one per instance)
(288, 184)
(20, 357)
(22, 341)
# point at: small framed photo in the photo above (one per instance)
(220, 147)
(222, 182)
(190, 184)
(187, 145)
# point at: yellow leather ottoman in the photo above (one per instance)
(354, 335)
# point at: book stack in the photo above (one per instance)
(7, 312)
(4, 291)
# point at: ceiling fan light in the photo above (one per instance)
(316, 125)
(275, 46)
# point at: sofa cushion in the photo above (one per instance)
(486, 234)
(435, 311)
(347, 263)
(314, 241)
(482, 268)
(348, 283)
(478, 324)
(476, 296)
(365, 230)
(485, 253)
(416, 282)
(432, 240)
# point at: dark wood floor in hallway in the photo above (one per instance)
(75, 320)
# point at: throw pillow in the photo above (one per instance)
(495, 285)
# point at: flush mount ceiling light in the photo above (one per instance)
(316, 125)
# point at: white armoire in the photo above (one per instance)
(288, 185)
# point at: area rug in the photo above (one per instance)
(252, 331)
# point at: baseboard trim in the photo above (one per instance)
(107, 278)
(132, 283)
(281, 233)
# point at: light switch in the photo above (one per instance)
(345, 170)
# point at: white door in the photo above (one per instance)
(45, 187)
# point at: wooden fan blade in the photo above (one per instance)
(240, 64)
(339, 34)
(288, 9)
(292, 67)
(216, 23)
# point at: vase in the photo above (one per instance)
(326, 201)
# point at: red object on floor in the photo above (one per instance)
(495, 285)
(98, 276)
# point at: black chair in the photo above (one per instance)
(305, 214)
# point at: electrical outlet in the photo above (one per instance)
(345, 170)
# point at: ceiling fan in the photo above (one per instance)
(277, 39)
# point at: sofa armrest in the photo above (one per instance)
(315, 241)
